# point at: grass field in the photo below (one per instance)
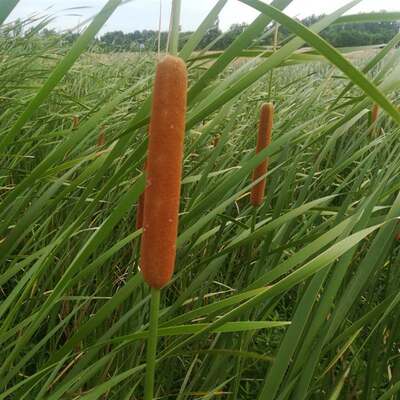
(296, 299)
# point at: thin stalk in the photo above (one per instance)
(174, 27)
(271, 75)
(254, 219)
(253, 222)
(244, 336)
(159, 30)
(6, 8)
(152, 344)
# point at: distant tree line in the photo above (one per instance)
(346, 35)
(356, 34)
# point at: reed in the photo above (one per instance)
(75, 122)
(101, 139)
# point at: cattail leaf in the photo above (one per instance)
(6, 8)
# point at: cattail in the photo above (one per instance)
(374, 114)
(397, 236)
(164, 169)
(215, 141)
(140, 206)
(263, 141)
(101, 140)
(75, 122)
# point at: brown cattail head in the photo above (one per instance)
(263, 141)
(140, 206)
(216, 141)
(164, 169)
(75, 122)
(374, 114)
(101, 140)
(397, 236)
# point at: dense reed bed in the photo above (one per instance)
(299, 300)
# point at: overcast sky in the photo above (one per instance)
(144, 14)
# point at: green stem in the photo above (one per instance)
(254, 219)
(253, 222)
(174, 27)
(159, 30)
(275, 45)
(243, 336)
(152, 344)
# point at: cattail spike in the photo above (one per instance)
(164, 169)
(263, 141)
(374, 114)
(216, 141)
(101, 140)
(75, 122)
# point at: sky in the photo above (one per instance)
(144, 14)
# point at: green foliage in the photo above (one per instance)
(298, 299)
(361, 34)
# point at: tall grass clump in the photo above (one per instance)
(295, 297)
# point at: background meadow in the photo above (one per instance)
(298, 299)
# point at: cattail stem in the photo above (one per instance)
(253, 222)
(75, 122)
(275, 45)
(152, 344)
(159, 30)
(254, 219)
(173, 41)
